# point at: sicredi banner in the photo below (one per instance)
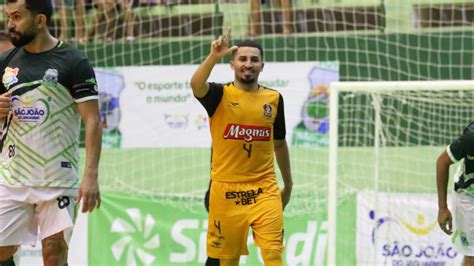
(401, 229)
(154, 106)
(140, 231)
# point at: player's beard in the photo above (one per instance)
(248, 78)
(22, 39)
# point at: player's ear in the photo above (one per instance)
(231, 63)
(41, 21)
(263, 64)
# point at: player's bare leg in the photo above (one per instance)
(63, 27)
(272, 257)
(6, 255)
(468, 261)
(255, 18)
(54, 250)
(127, 9)
(80, 19)
(111, 16)
(287, 14)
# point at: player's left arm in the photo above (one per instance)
(283, 159)
(84, 91)
(89, 191)
(281, 151)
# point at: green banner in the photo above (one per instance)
(142, 231)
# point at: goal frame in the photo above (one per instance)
(368, 86)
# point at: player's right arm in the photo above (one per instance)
(5, 96)
(219, 49)
(442, 178)
(5, 105)
(454, 153)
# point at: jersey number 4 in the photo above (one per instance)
(248, 149)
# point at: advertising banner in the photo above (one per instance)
(153, 106)
(140, 231)
(401, 229)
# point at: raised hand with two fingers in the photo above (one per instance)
(220, 47)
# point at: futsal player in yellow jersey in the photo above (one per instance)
(247, 126)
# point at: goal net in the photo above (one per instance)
(383, 150)
(370, 40)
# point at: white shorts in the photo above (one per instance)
(464, 220)
(28, 214)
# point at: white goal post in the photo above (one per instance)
(371, 89)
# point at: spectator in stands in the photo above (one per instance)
(63, 7)
(107, 10)
(256, 16)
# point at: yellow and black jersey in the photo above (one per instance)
(243, 126)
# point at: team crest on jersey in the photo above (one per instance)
(267, 110)
(51, 75)
(10, 76)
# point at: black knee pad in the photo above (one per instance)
(8, 262)
(212, 262)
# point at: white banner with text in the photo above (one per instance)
(153, 106)
(401, 229)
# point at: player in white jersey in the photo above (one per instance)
(463, 198)
(47, 87)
